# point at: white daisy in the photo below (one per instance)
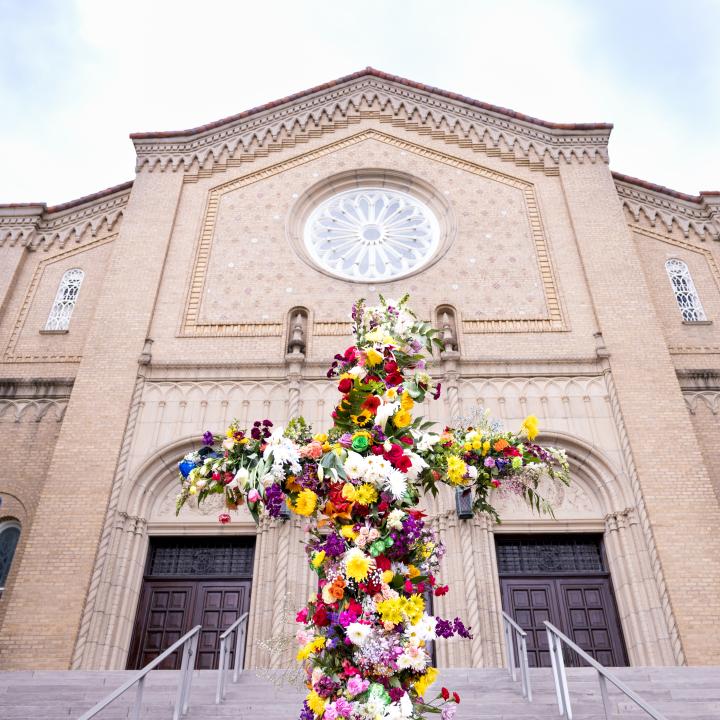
(355, 465)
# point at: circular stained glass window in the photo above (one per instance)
(372, 234)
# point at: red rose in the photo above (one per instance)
(350, 354)
(345, 385)
(511, 451)
(445, 693)
(456, 698)
(355, 608)
(393, 379)
(403, 464)
(391, 366)
(406, 439)
(321, 618)
(394, 453)
(371, 403)
(383, 506)
(377, 450)
(382, 562)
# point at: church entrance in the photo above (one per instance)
(563, 579)
(191, 581)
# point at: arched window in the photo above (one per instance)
(9, 536)
(62, 309)
(686, 295)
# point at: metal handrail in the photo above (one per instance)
(240, 628)
(510, 628)
(555, 642)
(189, 643)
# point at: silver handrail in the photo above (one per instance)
(189, 643)
(240, 628)
(556, 639)
(510, 628)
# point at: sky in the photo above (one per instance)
(77, 76)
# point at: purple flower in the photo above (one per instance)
(443, 628)
(461, 630)
(274, 497)
(489, 462)
(395, 693)
(436, 394)
(306, 713)
(325, 686)
(378, 434)
(334, 545)
(208, 438)
(345, 440)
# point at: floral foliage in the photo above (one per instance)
(364, 635)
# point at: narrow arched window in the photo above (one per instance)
(9, 536)
(686, 295)
(65, 299)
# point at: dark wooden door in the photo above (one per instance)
(562, 579)
(189, 582)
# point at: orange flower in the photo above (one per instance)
(500, 445)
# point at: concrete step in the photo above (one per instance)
(486, 694)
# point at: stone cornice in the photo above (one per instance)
(670, 208)
(38, 226)
(393, 100)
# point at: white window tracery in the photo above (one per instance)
(686, 295)
(372, 234)
(65, 299)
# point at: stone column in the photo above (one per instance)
(673, 487)
(58, 562)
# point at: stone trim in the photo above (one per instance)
(517, 138)
(192, 327)
(39, 226)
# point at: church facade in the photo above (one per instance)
(217, 285)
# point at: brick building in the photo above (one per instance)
(217, 284)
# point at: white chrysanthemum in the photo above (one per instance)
(357, 633)
(377, 469)
(396, 483)
(355, 465)
(395, 518)
(424, 629)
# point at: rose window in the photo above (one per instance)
(372, 234)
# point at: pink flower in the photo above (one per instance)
(343, 707)
(312, 450)
(448, 712)
(253, 496)
(330, 712)
(224, 518)
(356, 685)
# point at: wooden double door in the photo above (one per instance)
(189, 582)
(564, 580)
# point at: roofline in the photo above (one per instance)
(71, 203)
(383, 76)
(646, 185)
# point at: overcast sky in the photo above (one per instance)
(77, 76)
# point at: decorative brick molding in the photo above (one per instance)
(663, 207)
(483, 127)
(192, 326)
(37, 226)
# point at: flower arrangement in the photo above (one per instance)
(364, 635)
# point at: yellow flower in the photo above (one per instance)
(320, 437)
(361, 418)
(365, 494)
(375, 336)
(390, 394)
(402, 418)
(456, 470)
(316, 703)
(318, 560)
(476, 444)
(348, 492)
(348, 532)
(391, 610)
(530, 426)
(309, 648)
(373, 357)
(413, 572)
(306, 503)
(406, 402)
(422, 684)
(357, 564)
(414, 608)
(387, 576)
(486, 447)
